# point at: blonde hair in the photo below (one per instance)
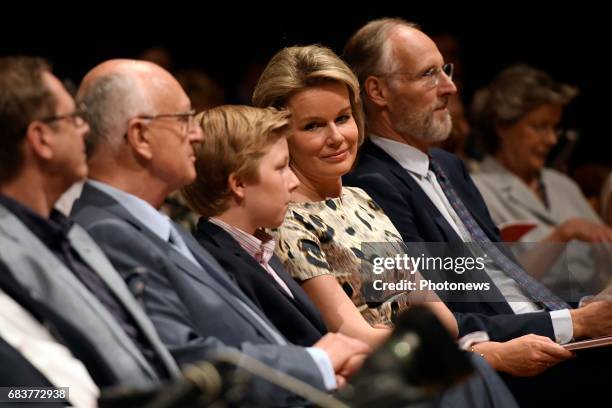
(296, 68)
(235, 139)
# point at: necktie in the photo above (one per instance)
(179, 244)
(537, 291)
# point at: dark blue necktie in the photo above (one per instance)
(537, 291)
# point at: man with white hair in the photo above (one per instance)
(141, 150)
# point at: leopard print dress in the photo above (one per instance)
(328, 238)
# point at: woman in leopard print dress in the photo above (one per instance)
(322, 241)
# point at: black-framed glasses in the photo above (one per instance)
(77, 116)
(430, 77)
(186, 118)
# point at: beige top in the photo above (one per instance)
(327, 237)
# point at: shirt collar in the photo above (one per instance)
(410, 158)
(144, 212)
(260, 247)
(50, 230)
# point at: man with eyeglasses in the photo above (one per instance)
(429, 196)
(142, 149)
(60, 298)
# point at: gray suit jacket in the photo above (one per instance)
(48, 280)
(195, 310)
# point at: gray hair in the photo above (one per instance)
(368, 51)
(111, 102)
(513, 93)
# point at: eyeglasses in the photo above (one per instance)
(77, 117)
(187, 119)
(431, 77)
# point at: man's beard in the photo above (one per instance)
(423, 125)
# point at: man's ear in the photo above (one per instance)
(139, 139)
(237, 186)
(376, 90)
(39, 139)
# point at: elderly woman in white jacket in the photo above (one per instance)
(517, 118)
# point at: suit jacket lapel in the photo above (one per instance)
(520, 195)
(514, 190)
(61, 276)
(415, 190)
(90, 253)
(222, 239)
(299, 296)
(213, 276)
(419, 196)
(284, 276)
(208, 273)
(99, 198)
(220, 278)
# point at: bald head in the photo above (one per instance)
(142, 129)
(368, 50)
(143, 71)
(408, 45)
(120, 89)
(404, 82)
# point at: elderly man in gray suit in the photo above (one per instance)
(141, 140)
(54, 271)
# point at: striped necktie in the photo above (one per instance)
(538, 292)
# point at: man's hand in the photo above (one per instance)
(524, 356)
(352, 365)
(345, 353)
(594, 319)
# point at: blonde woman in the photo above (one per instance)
(320, 242)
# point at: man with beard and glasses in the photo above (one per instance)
(429, 197)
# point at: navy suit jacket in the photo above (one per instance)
(418, 220)
(194, 309)
(297, 318)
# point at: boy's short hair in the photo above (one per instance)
(235, 139)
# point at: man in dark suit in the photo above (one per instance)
(141, 150)
(430, 197)
(53, 270)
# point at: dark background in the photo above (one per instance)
(569, 42)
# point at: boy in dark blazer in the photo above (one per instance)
(243, 186)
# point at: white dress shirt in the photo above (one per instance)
(30, 338)
(416, 164)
